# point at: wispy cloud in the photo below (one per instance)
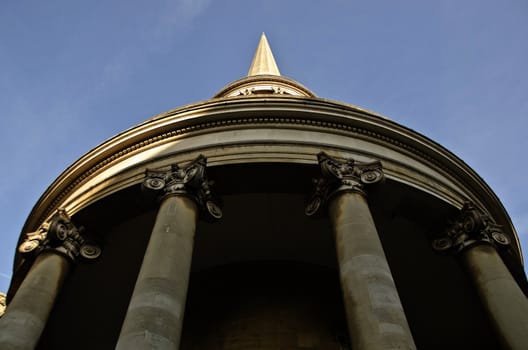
(5, 275)
(177, 17)
(189, 9)
(174, 19)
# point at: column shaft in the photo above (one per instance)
(504, 301)
(375, 316)
(155, 314)
(27, 314)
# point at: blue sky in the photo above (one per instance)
(74, 73)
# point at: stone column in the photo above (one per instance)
(155, 314)
(477, 238)
(375, 316)
(54, 246)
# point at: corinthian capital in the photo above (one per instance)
(472, 227)
(59, 234)
(341, 175)
(190, 181)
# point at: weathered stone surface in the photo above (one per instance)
(23, 323)
(265, 306)
(155, 314)
(506, 304)
(375, 316)
(477, 238)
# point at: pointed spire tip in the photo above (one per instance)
(263, 61)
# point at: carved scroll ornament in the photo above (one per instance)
(341, 175)
(59, 234)
(472, 227)
(190, 180)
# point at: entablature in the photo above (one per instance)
(268, 130)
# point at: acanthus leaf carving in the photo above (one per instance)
(189, 180)
(341, 175)
(472, 227)
(59, 234)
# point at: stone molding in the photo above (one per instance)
(472, 227)
(189, 180)
(290, 113)
(339, 176)
(239, 122)
(59, 235)
(272, 82)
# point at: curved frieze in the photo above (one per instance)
(309, 123)
(273, 84)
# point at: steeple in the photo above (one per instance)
(264, 78)
(263, 61)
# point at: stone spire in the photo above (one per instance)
(263, 61)
(264, 78)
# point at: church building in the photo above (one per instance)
(263, 218)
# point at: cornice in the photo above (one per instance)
(297, 113)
